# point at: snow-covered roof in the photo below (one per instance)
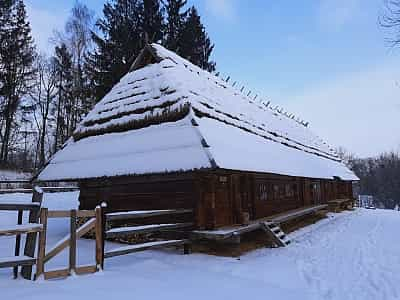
(169, 115)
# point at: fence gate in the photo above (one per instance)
(95, 222)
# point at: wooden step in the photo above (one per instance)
(280, 235)
(121, 231)
(138, 214)
(276, 234)
(142, 247)
(19, 229)
(14, 261)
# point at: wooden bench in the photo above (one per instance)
(234, 232)
(340, 204)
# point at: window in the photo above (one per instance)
(276, 191)
(263, 192)
(288, 190)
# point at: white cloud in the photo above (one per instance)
(221, 8)
(334, 14)
(43, 23)
(360, 111)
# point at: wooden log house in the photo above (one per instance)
(171, 135)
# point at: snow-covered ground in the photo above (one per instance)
(352, 255)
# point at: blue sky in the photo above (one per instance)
(325, 60)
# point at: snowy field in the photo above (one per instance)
(352, 255)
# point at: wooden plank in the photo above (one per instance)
(30, 243)
(296, 213)
(8, 262)
(19, 206)
(146, 213)
(72, 242)
(86, 270)
(67, 213)
(142, 247)
(56, 274)
(99, 238)
(225, 233)
(18, 242)
(121, 231)
(42, 243)
(60, 246)
(85, 213)
(59, 214)
(18, 229)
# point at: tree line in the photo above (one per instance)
(43, 97)
(379, 177)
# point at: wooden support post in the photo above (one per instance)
(30, 243)
(187, 248)
(72, 242)
(99, 230)
(42, 243)
(18, 242)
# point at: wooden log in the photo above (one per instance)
(72, 242)
(141, 247)
(18, 242)
(30, 243)
(143, 214)
(99, 238)
(60, 246)
(122, 231)
(42, 243)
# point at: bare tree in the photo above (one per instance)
(43, 97)
(390, 20)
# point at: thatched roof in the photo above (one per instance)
(168, 115)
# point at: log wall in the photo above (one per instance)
(218, 198)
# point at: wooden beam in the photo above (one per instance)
(72, 242)
(19, 206)
(121, 231)
(141, 247)
(18, 229)
(85, 270)
(9, 262)
(99, 237)
(42, 243)
(30, 243)
(18, 242)
(146, 213)
(56, 274)
(67, 213)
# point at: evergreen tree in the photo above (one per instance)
(16, 59)
(121, 38)
(153, 20)
(117, 45)
(176, 16)
(194, 43)
(65, 99)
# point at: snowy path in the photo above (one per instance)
(353, 255)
